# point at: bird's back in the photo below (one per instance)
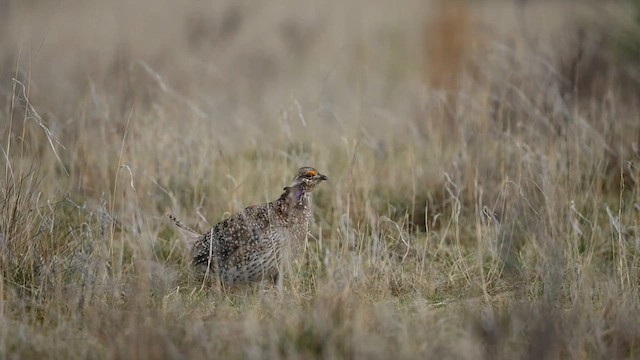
(248, 246)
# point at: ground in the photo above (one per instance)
(483, 158)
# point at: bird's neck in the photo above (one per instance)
(297, 195)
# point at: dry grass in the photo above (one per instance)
(116, 113)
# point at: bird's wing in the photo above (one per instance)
(242, 233)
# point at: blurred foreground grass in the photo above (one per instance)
(484, 164)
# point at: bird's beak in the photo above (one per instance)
(323, 177)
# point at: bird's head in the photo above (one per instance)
(308, 178)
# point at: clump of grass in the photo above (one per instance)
(497, 221)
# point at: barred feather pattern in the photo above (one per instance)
(255, 243)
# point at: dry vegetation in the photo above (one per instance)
(484, 161)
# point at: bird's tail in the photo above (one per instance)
(189, 235)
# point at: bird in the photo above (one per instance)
(256, 242)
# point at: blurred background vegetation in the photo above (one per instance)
(484, 159)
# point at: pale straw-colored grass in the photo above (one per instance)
(483, 161)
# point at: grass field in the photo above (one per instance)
(483, 157)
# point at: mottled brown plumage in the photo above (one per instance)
(254, 243)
